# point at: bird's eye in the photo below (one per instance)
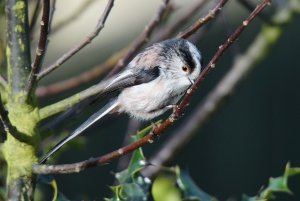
(185, 68)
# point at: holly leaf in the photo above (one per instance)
(132, 184)
(56, 195)
(189, 188)
(276, 185)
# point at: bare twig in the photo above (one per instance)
(157, 131)
(53, 8)
(72, 18)
(166, 33)
(143, 37)
(212, 13)
(67, 103)
(249, 6)
(41, 49)
(73, 51)
(34, 16)
(85, 77)
(133, 127)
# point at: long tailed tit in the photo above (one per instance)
(153, 82)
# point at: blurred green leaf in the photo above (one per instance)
(49, 180)
(189, 189)
(164, 189)
(2, 194)
(247, 198)
(175, 184)
(276, 185)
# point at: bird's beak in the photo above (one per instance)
(192, 81)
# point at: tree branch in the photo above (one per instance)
(166, 33)
(34, 17)
(53, 8)
(84, 77)
(41, 49)
(73, 51)
(157, 131)
(72, 18)
(18, 48)
(249, 6)
(67, 103)
(212, 13)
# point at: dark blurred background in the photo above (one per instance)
(250, 139)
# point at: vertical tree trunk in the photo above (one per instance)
(19, 154)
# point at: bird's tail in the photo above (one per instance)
(91, 120)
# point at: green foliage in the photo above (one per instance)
(177, 185)
(50, 181)
(132, 184)
(276, 185)
(2, 7)
(189, 189)
(164, 189)
(2, 194)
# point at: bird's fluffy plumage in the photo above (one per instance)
(152, 82)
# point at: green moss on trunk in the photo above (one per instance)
(20, 156)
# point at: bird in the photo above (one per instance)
(152, 83)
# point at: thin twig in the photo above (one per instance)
(166, 33)
(249, 6)
(34, 16)
(53, 8)
(41, 49)
(72, 18)
(157, 131)
(143, 37)
(88, 40)
(212, 13)
(84, 77)
(69, 102)
(132, 127)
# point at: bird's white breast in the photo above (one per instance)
(149, 100)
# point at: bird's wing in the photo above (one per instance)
(131, 77)
(123, 80)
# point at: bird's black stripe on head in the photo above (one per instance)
(184, 53)
(181, 48)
